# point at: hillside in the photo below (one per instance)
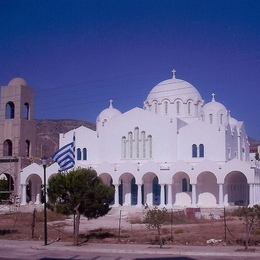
(48, 133)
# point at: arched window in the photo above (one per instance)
(26, 111)
(194, 150)
(166, 107)
(9, 110)
(221, 119)
(178, 104)
(211, 118)
(143, 144)
(27, 148)
(130, 138)
(78, 154)
(85, 154)
(150, 146)
(201, 150)
(8, 148)
(137, 142)
(123, 144)
(229, 152)
(155, 107)
(189, 108)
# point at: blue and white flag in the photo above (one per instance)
(65, 156)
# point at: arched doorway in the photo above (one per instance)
(127, 189)
(150, 189)
(107, 179)
(181, 189)
(6, 186)
(207, 189)
(236, 189)
(34, 186)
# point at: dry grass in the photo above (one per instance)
(188, 231)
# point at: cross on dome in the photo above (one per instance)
(213, 96)
(110, 103)
(173, 73)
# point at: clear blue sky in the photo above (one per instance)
(79, 54)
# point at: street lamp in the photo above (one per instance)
(44, 163)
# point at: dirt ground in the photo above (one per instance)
(124, 226)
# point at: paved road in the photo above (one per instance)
(47, 255)
(28, 250)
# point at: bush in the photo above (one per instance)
(178, 231)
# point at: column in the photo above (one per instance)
(220, 195)
(169, 196)
(193, 196)
(139, 195)
(162, 204)
(23, 200)
(116, 198)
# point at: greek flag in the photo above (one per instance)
(65, 156)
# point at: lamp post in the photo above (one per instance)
(44, 163)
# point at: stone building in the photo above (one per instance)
(17, 134)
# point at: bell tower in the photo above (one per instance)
(17, 130)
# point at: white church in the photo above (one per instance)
(176, 151)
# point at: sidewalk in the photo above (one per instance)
(133, 248)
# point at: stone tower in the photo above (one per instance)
(17, 132)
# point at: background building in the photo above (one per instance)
(17, 134)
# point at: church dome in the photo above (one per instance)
(213, 106)
(173, 89)
(174, 98)
(110, 112)
(215, 112)
(17, 82)
(107, 114)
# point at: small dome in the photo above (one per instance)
(215, 112)
(173, 89)
(17, 82)
(213, 106)
(108, 113)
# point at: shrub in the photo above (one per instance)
(178, 231)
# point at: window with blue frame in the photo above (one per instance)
(194, 151)
(78, 154)
(85, 154)
(201, 150)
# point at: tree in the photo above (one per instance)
(154, 219)
(251, 218)
(82, 192)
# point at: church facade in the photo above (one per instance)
(175, 151)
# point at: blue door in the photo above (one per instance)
(134, 188)
(156, 192)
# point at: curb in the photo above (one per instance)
(132, 248)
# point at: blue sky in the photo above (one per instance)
(79, 54)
